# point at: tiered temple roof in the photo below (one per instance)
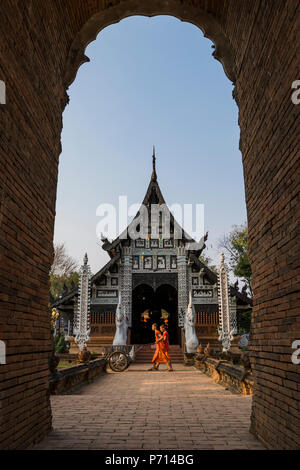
(114, 248)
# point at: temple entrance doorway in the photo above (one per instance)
(148, 307)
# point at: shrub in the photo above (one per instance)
(61, 345)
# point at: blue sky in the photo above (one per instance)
(149, 81)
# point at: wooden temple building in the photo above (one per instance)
(154, 276)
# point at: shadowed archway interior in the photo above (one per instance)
(154, 306)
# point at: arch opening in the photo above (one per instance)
(114, 123)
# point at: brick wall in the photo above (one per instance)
(267, 118)
(30, 126)
(42, 45)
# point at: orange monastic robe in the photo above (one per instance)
(161, 354)
(166, 340)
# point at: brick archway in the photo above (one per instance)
(41, 49)
(186, 11)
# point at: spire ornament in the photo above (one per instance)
(227, 316)
(82, 315)
(154, 176)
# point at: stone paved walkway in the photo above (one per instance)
(151, 410)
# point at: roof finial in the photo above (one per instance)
(153, 177)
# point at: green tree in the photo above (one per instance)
(61, 345)
(244, 322)
(64, 272)
(236, 244)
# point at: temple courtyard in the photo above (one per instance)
(138, 409)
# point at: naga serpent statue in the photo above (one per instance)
(191, 339)
(120, 338)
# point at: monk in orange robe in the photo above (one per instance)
(165, 338)
(161, 354)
